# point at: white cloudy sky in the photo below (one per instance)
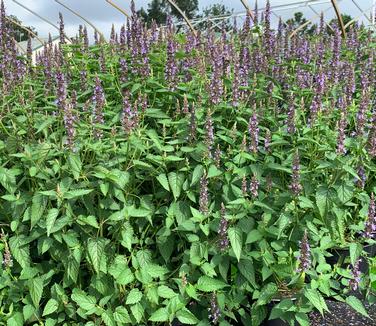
(103, 15)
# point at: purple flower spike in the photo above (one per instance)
(355, 273)
(222, 231)
(370, 225)
(295, 185)
(304, 255)
(99, 100)
(204, 196)
(253, 131)
(214, 311)
(361, 182)
(254, 185)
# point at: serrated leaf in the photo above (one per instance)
(134, 296)
(208, 284)
(316, 299)
(121, 315)
(76, 193)
(20, 251)
(253, 236)
(165, 292)
(355, 251)
(247, 270)
(176, 181)
(323, 199)
(50, 219)
(84, 301)
(50, 307)
(162, 178)
(267, 293)
(35, 286)
(160, 315)
(356, 304)
(236, 240)
(38, 206)
(75, 165)
(108, 318)
(198, 172)
(186, 317)
(95, 249)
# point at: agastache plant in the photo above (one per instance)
(214, 311)
(370, 225)
(99, 102)
(253, 131)
(356, 275)
(295, 185)
(304, 259)
(204, 195)
(223, 242)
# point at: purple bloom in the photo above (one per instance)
(304, 254)
(254, 185)
(222, 231)
(356, 275)
(217, 156)
(253, 131)
(370, 225)
(361, 182)
(209, 141)
(244, 186)
(7, 257)
(341, 133)
(61, 28)
(295, 185)
(99, 100)
(214, 311)
(192, 125)
(204, 195)
(291, 117)
(268, 137)
(129, 117)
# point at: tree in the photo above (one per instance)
(213, 11)
(299, 20)
(159, 9)
(345, 18)
(17, 32)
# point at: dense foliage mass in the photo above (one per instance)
(168, 176)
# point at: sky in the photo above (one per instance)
(103, 15)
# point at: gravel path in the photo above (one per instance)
(342, 314)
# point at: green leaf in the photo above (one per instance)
(213, 172)
(176, 182)
(20, 251)
(236, 240)
(50, 219)
(345, 191)
(208, 284)
(253, 236)
(134, 296)
(84, 301)
(160, 315)
(38, 206)
(108, 318)
(198, 172)
(316, 299)
(323, 199)
(76, 193)
(247, 270)
(162, 178)
(16, 320)
(356, 304)
(165, 292)
(121, 315)
(267, 293)
(95, 249)
(35, 286)
(186, 317)
(138, 312)
(51, 306)
(355, 251)
(75, 165)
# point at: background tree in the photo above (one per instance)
(299, 20)
(216, 10)
(159, 9)
(345, 18)
(18, 33)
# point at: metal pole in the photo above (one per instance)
(83, 18)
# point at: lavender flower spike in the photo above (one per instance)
(254, 185)
(370, 227)
(204, 196)
(305, 254)
(296, 186)
(214, 311)
(222, 231)
(355, 272)
(253, 132)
